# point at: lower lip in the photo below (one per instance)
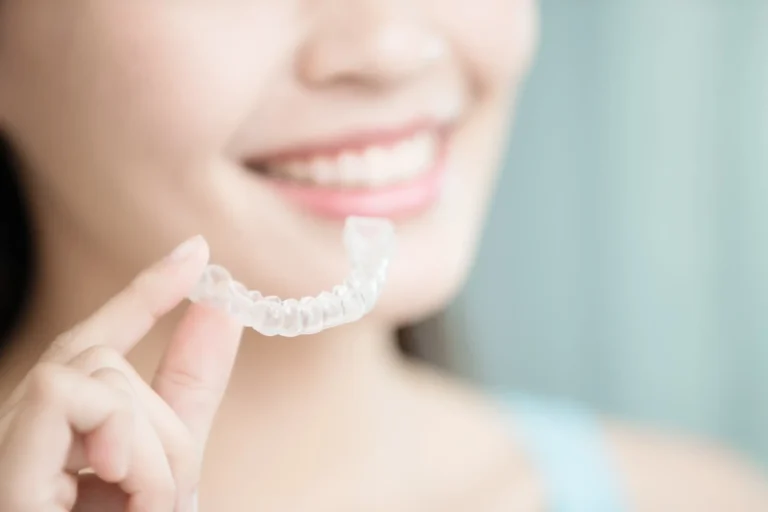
(396, 201)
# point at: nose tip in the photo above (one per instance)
(375, 53)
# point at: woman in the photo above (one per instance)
(261, 125)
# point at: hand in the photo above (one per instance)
(83, 406)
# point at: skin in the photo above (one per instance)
(133, 120)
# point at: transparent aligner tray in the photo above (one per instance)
(369, 243)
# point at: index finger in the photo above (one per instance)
(194, 373)
(126, 318)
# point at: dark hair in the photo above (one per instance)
(17, 257)
(16, 245)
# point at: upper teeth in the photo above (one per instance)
(374, 165)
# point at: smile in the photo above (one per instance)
(383, 174)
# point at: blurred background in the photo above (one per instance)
(626, 260)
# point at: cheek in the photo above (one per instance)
(188, 79)
(495, 37)
(122, 108)
(140, 84)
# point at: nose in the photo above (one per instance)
(367, 42)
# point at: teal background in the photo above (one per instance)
(626, 259)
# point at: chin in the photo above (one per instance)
(415, 292)
(406, 307)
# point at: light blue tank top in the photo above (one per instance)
(567, 447)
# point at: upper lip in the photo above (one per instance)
(333, 146)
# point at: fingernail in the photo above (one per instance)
(186, 249)
(188, 504)
(194, 503)
(191, 504)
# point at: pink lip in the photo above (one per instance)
(395, 202)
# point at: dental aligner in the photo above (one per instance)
(369, 243)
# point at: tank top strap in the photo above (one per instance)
(567, 447)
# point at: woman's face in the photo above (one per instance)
(263, 123)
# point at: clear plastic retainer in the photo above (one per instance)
(369, 243)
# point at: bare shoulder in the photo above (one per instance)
(664, 472)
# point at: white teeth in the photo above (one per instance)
(372, 166)
(351, 167)
(423, 148)
(321, 171)
(377, 162)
